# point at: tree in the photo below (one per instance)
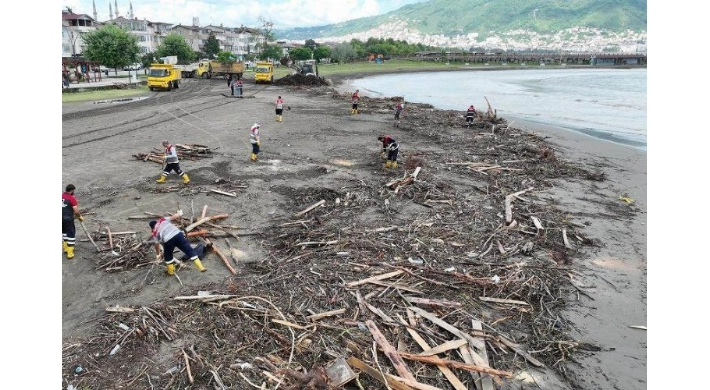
(271, 51)
(311, 44)
(111, 46)
(225, 56)
(211, 46)
(147, 59)
(175, 45)
(301, 53)
(321, 52)
(343, 52)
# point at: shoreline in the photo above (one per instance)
(610, 272)
(620, 263)
(344, 85)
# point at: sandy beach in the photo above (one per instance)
(320, 149)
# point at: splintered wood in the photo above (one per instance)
(453, 275)
(128, 250)
(184, 151)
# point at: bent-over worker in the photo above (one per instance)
(391, 147)
(170, 237)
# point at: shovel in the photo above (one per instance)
(89, 235)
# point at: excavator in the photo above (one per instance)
(309, 68)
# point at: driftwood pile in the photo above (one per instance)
(120, 251)
(424, 281)
(184, 151)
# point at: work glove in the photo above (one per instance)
(80, 218)
(383, 154)
(158, 257)
(179, 213)
(258, 143)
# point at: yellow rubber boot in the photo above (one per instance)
(280, 118)
(171, 269)
(64, 246)
(185, 178)
(394, 164)
(253, 157)
(162, 179)
(199, 266)
(70, 252)
(388, 164)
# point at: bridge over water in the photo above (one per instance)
(537, 58)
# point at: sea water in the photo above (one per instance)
(605, 103)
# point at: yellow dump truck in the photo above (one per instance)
(264, 73)
(163, 76)
(209, 69)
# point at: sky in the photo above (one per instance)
(283, 14)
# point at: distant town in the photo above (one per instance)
(578, 39)
(242, 40)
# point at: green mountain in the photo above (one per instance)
(486, 17)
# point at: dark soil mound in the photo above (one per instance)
(299, 79)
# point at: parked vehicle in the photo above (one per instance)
(163, 76)
(135, 66)
(186, 71)
(264, 73)
(208, 69)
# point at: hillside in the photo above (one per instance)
(452, 18)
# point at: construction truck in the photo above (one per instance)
(186, 71)
(208, 69)
(163, 76)
(264, 73)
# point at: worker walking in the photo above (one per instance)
(70, 209)
(254, 139)
(470, 114)
(355, 99)
(172, 164)
(164, 233)
(390, 147)
(397, 112)
(279, 109)
(240, 87)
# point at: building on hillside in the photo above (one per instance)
(73, 26)
(191, 35)
(240, 41)
(150, 34)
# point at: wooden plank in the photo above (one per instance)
(289, 324)
(499, 300)
(232, 194)
(320, 202)
(441, 348)
(206, 219)
(397, 286)
(455, 364)
(384, 379)
(316, 317)
(433, 302)
(389, 351)
(475, 358)
(376, 277)
(480, 347)
(455, 382)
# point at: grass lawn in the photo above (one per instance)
(103, 94)
(324, 70)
